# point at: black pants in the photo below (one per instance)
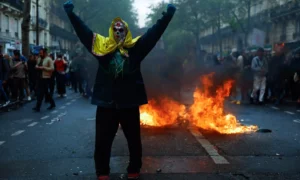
(43, 91)
(52, 84)
(60, 84)
(18, 90)
(107, 123)
(76, 82)
(32, 84)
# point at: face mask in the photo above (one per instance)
(119, 31)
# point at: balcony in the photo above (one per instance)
(7, 36)
(285, 10)
(42, 23)
(4, 5)
(62, 33)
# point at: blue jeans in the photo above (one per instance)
(2, 92)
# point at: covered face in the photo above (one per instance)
(120, 31)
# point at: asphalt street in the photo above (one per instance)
(59, 144)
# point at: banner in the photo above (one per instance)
(257, 38)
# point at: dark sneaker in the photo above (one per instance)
(36, 109)
(51, 107)
(103, 178)
(133, 176)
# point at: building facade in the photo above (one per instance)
(10, 25)
(272, 23)
(43, 19)
(63, 38)
(54, 29)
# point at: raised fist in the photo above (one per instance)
(171, 9)
(69, 6)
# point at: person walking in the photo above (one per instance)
(45, 69)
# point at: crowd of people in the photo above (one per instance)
(40, 76)
(264, 77)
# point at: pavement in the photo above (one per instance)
(59, 144)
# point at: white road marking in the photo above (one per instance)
(297, 120)
(62, 114)
(68, 104)
(45, 117)
(91, 119)
(53, 112)
(2, 142)
(298, 110)
(18, 133)
(52, 121)
(288, 112)
(210, 149)
(63, 107)
(73, 100)
(32, 124)
(276, 108)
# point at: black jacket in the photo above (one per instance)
(4, 68)
(128, 90)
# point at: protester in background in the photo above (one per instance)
(259, 67)
(45, 69)
(9, 85)
(52, 80)
(277, 76)
(26, 82)
(247, 77)
(4, 70)
(32, 75)
(19, 69)
(295, 68)
(60, 67)
(239, 64)
(75, 72)
(67, 70)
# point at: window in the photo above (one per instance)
(16, 25)
(45, 37)
(34, 36)
(0, 22)
(6, 21)
(298, 26)
(33, 11)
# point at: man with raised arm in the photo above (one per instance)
(119, 87)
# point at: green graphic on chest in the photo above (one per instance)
(118, 64)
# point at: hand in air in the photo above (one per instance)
(171, 9)
(69, 6)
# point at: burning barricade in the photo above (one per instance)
(206, 112)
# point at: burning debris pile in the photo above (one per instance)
(207, 111)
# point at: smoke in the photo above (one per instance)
(169, 76)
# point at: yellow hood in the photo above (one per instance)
(106, 45)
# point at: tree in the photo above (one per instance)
(25, 28)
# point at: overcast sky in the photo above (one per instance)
(142, 7)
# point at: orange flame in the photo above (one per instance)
(207, 112)
(164, 112)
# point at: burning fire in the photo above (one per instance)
(207, 111)
(164, 112)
